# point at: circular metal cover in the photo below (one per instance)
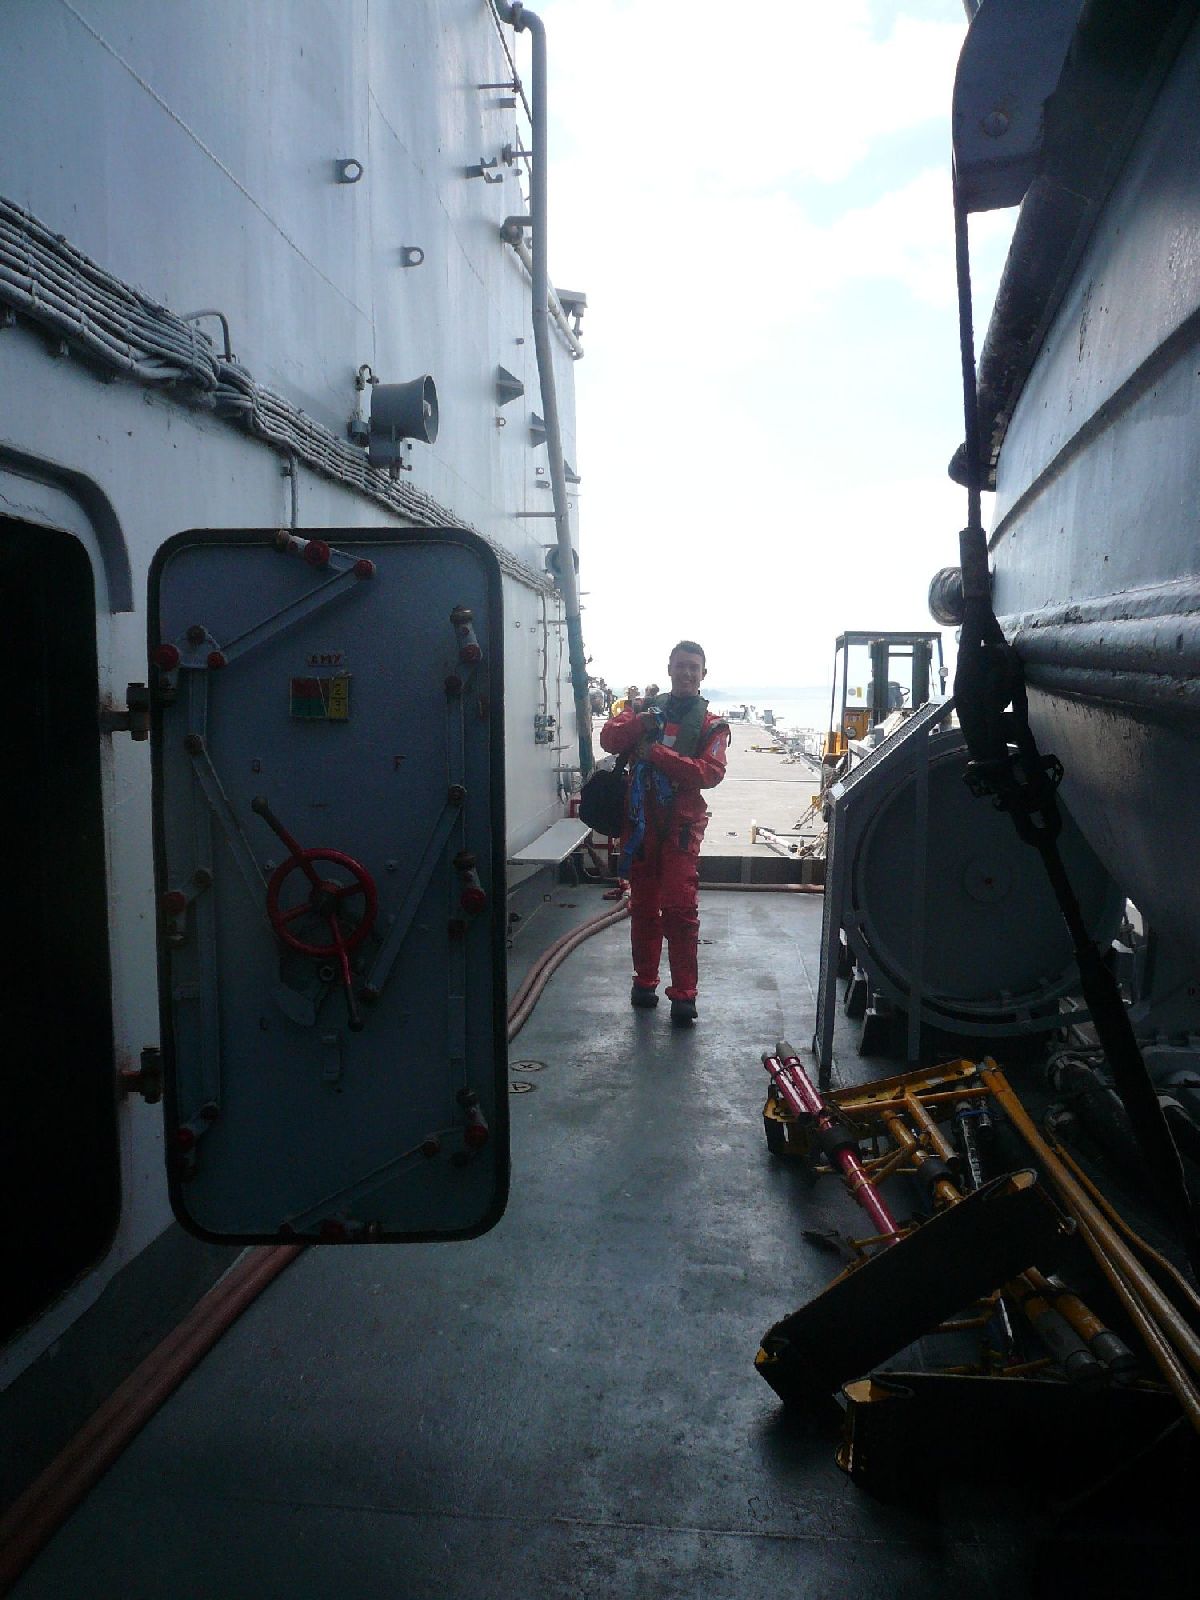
(995, 944)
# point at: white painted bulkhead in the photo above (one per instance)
(190, 152)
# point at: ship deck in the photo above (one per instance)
(568, 1405)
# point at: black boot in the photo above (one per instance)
(643, 999)
(683, 1013)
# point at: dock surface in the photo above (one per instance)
(762, 784)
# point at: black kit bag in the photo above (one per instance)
(602, 799)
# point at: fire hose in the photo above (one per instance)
(529, 991)
(36, 1515)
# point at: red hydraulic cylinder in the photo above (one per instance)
(803, 1100)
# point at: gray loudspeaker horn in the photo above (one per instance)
(401, 411)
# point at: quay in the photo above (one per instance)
(761, 785)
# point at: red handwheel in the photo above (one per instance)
(325, 898)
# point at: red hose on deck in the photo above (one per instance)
(550, 953)
(767, 888)
(536, 979)
(36, 1515)
(747, 888)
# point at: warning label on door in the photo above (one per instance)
(323, 698)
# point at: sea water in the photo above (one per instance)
(804, 706)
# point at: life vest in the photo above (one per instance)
(694, 725)
(652, 799)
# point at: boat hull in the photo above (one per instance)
(1095, 555)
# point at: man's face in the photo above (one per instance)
(687, 673)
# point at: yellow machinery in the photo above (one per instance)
(980, 1265)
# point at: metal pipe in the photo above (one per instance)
(573, 342)
(793, 1083)
(1135, 1239)
(1107, 1244)
(1163, 1356)
(920, 863)
(937, 1140)
(522, 19)
(291, 471)
(1104, 1344)
(942, 1191)
(1065, 1344)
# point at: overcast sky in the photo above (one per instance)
(757, 204)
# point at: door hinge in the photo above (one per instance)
(146, 1080)
(133, 718)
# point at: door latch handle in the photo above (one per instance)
(133, 718)
(146, 1080)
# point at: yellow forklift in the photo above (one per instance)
(872, 658)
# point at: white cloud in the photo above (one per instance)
(785, 89)
(767, 586)
(771, 388)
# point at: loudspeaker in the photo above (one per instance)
(401, 411)
(554, 561)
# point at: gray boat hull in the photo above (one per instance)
(1095, 550)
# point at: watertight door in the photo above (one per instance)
(329, 840)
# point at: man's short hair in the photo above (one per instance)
(690, 645)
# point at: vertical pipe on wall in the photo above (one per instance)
(523, 19)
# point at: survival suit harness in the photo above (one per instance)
(645, 780)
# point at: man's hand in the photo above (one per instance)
(649, 721)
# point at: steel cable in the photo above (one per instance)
(57, 283)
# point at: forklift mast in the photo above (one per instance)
(886, 694)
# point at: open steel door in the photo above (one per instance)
(329, 844)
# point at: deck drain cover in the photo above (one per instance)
(527, 1066)
(521, 1088)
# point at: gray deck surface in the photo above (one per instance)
(567, 1406)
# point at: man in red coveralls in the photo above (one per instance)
(676, 749)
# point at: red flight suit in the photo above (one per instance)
(664, 877)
